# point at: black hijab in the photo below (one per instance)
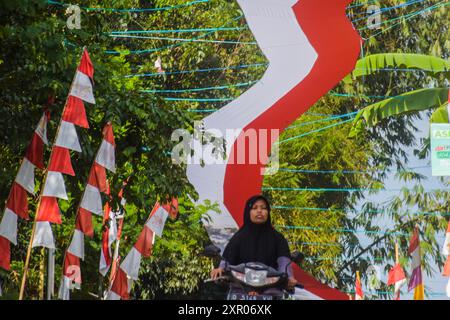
(256, 242)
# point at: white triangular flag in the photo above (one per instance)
(25, 176)
(43, 235)
(8, 226)
(54, 186)
(67, 137)
(82, 88)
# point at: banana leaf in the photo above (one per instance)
(413, 101)
(372, 63)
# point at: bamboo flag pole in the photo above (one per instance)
(396, 253)
(27, 259)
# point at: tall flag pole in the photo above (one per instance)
(359, 295)
(66, 139)
(416, 281)
(129, 268)
(446, 252)
(396, 275)
(17, 203)
(91, 203)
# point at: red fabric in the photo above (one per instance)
(72, 267)
(60, 161)
(446, 271)
(49, 210)
(120, 285)
(316, 287)
(144, 242)
(97, 177)
(396, 274)
(105, 235)
(75, 112)
(86, 65)
(414, 242)
(35, 151)
(172, 208)
(18, 201)
(5, 253)
(108, 134)
(84, 222)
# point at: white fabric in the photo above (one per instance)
(302, 294)
(157, 221)
(8, 226)
(415, 259)
(445, 250)
(112, 296)
(106, 156)
(82, 88)
(103, 267)
(25, 176)
(132, 263)
(64, 288)
(54, 186)
(43, 236)
(68, 137)
(92, 200)
(41, 129)
(447, 288)
(398, 285)
(291, 58)
(77, 245)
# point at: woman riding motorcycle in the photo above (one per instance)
(257, 241)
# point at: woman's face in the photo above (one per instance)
(259, 212)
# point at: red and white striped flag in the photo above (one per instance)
(358, 289)
(91, 203)
(446, 252)
(129, 268)
(106, 158)
(17, 203)
(397, 278)
(60, 162)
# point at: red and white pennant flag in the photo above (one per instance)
(17, 203)
(67, 139)
(91, 203)
(129, 268)
(397, 278)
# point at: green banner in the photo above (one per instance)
(440, 149)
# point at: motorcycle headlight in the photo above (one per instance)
(255, 278)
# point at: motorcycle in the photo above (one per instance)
(254, 280)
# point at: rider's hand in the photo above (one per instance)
(216, 273)
(291, 283)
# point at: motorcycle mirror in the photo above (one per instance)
(297, 257)
(211, 251)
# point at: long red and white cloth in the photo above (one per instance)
(17, 203)
(296, 38)
(60, 163)
(91, 203)
(129, 268)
